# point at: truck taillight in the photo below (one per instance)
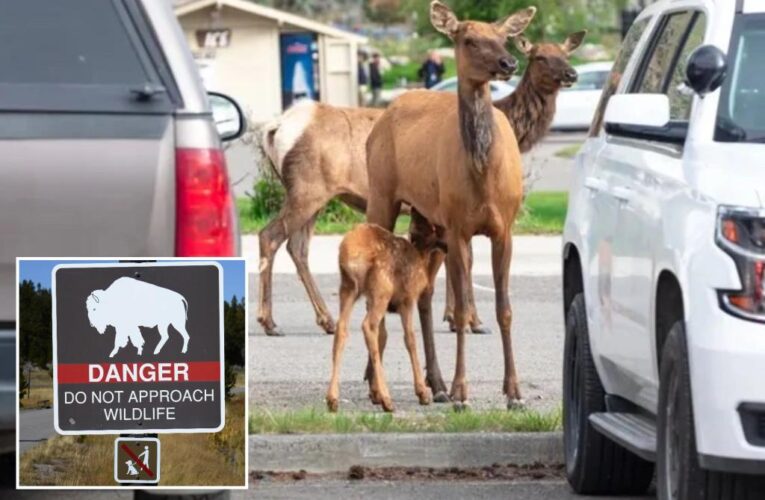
(204, 211)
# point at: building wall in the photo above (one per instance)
(248, 69)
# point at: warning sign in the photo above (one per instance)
(136, 460)
(138, 348)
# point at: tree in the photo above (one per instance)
(385, 12)
(35, 324)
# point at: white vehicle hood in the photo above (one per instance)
(729, 173)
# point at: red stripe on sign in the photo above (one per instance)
(113, 373)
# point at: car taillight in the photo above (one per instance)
(741, 233)
(204, 212)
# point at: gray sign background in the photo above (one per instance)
(77, 343)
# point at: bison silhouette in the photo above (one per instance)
(128, 304)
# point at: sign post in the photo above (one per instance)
(138, 349)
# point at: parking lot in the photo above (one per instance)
(292, 372)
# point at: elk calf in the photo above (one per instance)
(392, 273)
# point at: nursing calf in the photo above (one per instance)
(392, 273)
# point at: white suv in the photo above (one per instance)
(664, 262)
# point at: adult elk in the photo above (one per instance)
(322, 149)
(455, 159)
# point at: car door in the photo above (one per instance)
(600, 210)
(645, 171)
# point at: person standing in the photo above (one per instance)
(375, 79)
(432, 70)
(363, 78)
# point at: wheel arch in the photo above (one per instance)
(573, 280)
(669, 308)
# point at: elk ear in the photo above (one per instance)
(523, 44)
(443, 19)
(573, 41)
(516, 23)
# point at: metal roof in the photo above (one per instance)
(183, 7)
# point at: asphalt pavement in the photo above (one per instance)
(292, 372)
(421, 490)
(35, 427)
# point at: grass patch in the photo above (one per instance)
(568, 152)
(41, 394)
(217, 459)
(319, 421)
(544, 213)
(249, 224)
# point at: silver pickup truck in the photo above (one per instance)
(108, 146)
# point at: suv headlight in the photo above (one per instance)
(741, 234)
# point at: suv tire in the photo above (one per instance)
(679, 475)
(594, 463)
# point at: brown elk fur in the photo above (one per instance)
(392, 274)
(328, 156)
(418, 153)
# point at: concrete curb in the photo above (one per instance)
(337, 452)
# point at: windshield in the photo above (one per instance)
(590, 80)
(742, 103)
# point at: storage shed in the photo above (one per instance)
(266, 58)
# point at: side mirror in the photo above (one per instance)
(228, 116)
(706, 70)
(642, 110)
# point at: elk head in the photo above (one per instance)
(549, 68)
(479, 47)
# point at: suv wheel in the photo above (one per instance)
(594, 464)
(679, 475)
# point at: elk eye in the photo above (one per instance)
(470, 42)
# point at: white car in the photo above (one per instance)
(576, 105)
(664, 263)
(499, 88)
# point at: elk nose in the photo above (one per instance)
(508, 65)
(572, 75)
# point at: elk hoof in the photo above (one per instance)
(460, 406)
(441, 397)
(387, 405)
(375, 398)
(332, 405)
(516, 404)
(424, 398)
(480, 330)
(273, 331)
(328, 325)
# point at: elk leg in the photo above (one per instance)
(457, 267)
(384, 213)
(501, 253)
(297, 246)
(476, 325)
(348, 296)
(383, 340)
(371, 328)
(425, 309)
(422, 391)
(297, 210)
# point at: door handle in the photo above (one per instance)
(623, 193)
(595, 184)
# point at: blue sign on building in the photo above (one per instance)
(299, 64)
